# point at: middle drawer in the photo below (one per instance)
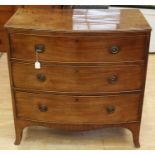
(78, 79)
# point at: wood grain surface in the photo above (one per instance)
(75, 79)
(79, 49)
(72, 39)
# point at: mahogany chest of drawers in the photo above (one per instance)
(92, 73)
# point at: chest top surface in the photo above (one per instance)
(78, 20)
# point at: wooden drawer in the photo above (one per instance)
(79, 49)
(84, 79)
(78, 109)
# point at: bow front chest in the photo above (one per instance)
(78, 70)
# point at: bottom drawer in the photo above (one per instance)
(78, 109)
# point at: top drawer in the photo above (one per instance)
(79, 49)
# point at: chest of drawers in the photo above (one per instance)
(92, 74)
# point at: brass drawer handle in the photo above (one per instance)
(110, 109)
(39, 48)
(112, 79)
(41, 77)
(114, 49)
(43, 108)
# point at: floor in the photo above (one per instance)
(43, 138)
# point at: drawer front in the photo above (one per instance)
(79, 49)
(90, 79)
(77, 109)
